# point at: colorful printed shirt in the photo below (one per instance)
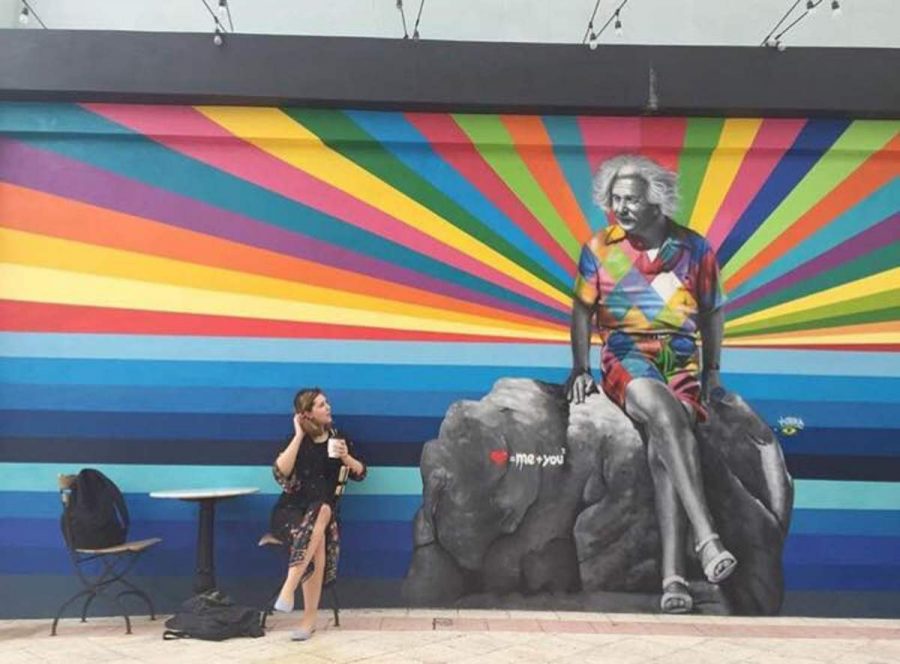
(638, 295)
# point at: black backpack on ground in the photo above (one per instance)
(95, 515)
(212, 616)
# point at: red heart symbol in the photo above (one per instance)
(499, 457)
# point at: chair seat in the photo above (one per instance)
(126, 547)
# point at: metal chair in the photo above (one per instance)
(115, 561)
(270, 540)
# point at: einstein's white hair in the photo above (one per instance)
(662, 184)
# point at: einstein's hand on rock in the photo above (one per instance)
(579, 384)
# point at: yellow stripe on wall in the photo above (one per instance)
(882, 282)
(37, 250)
(734, 142)
(279, 135)
(38, 284)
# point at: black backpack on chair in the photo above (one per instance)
(95, 516)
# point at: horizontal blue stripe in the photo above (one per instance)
(842, 550)
(186, 426)
(140, 478)
(321, 351)
(841, 442)
(859, 415)
(263, 374)
(90, 451)
(356, 507)
(239, 400)
(810, 576)
(398, 377)
(233, 537)
(324, 351)
(838, 495)
(141, 507)
(163, 561)
(845, 522)
(832, 416)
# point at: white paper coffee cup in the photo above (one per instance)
(333, 448)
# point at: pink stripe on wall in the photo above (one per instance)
(454, 147)
(773, 139)
(178, 127)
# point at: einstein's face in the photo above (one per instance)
(628, 200)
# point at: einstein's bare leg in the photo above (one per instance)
(673, 533)
(671, 440)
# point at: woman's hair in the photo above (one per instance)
(662, 184)
(303, 403)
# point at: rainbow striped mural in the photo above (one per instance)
(170, 275)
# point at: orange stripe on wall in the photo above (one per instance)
(876, 171)
(39, 212)
(534, 146)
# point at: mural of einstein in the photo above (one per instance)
(653, 289)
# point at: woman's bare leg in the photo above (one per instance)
(295, 572)
(312, 588)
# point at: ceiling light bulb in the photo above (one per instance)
(835, 8)
(217, 38)
(23, 16)
(811, 6)
(617, 27)
(223, 9)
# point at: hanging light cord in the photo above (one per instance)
(613, 17)
(590, 26)
(27, 5)
(215, 18)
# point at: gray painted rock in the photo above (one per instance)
(527, 496)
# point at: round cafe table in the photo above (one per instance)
(205, 574)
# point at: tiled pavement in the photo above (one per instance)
(399, 636)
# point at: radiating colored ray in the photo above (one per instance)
(79, 319)
(605, 137)
(662, 139)
(218, 284)
(734, 142)
(884, 335)
(841, 235)
(493, 141)
(455, 147)
(880, 283)
(879, 169)
(883, 306)
(337, 131)
(568, 151)
(36, 212)
(40, 284)
(179, 129)
(700, 140)
(405, 142)
(276, 133)
(870, 252)
(814, 141)
(533, 145)
(186, 185)
(846, 154)
(772, 140)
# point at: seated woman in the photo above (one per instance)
(305, 514)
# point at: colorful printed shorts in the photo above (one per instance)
(669, 358)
